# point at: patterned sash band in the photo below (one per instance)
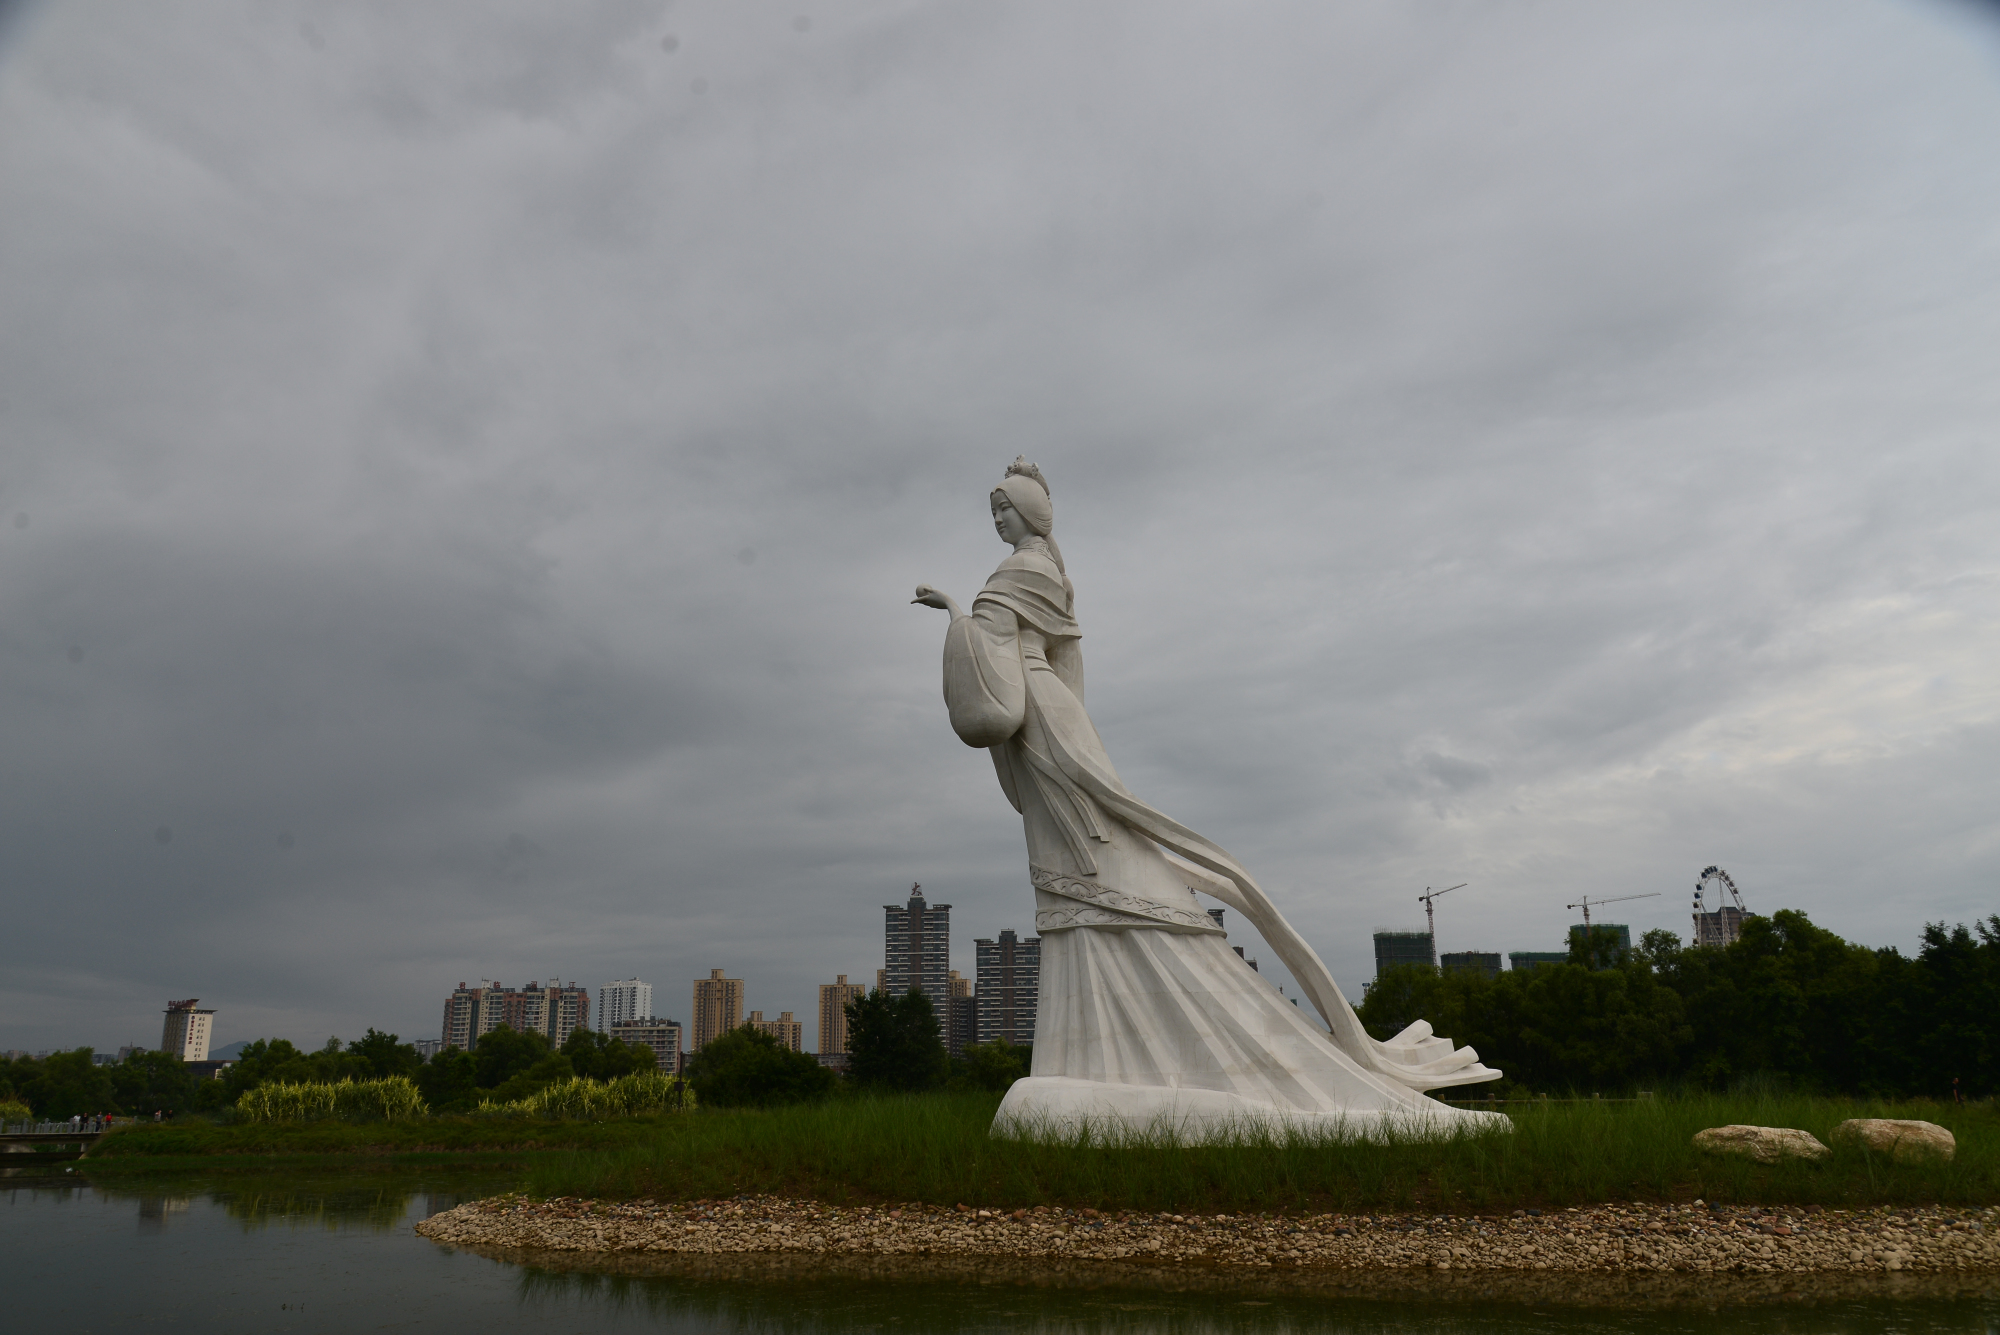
(1102, 906)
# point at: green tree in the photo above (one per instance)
(449, 1081)
(894, 1043)
(148, 1080)
(747, 1068)
(991, 1066)
(1555, 1026)
(386, 1054)
(1955, 984)
(502, 1054)
(277, 1060)
(598, 1056)
(70, 1084)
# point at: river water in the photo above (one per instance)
(290, 1252)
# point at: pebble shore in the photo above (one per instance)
(1623, 1238)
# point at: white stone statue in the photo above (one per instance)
(1147, 1021)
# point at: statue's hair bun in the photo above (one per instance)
(1022, 468)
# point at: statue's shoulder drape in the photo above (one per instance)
(1029, 585)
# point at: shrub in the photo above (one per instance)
(13, 1110)
(579, 1100)
(993, 1067)
(395, 1099)
(747, 1068)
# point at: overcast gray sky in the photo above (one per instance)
(465, 467)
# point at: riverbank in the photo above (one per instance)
(1635, 1238)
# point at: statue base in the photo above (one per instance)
(1062, 1108)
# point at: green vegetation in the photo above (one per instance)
(13, 1110)
(641, 1095)
(71, 1084)
(894, 1044)
(503, 1067)
(747, 1068)
(392, 1100)
(935, 1148)
(1790, 1006)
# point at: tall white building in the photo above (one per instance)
(187, 1031)
(622, 1002)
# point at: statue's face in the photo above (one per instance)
(1007, 522)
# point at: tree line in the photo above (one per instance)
(503, 1065)
(895, 1044)
(1789, 1005)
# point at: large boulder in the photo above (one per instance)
(1766, 1144)
(1899, 1139)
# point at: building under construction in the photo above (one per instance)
(1485, 963)
(1393, 948)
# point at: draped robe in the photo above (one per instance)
(1145, 1016)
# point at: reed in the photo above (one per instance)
(935, 1148)
(640, 1095)
(392, 1100)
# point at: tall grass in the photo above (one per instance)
(392, 1100)
(935, 1148)
(576, 1100)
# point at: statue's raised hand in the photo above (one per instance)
(930, 597)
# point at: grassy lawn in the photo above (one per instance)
(935, 1148)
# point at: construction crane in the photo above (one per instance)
(1430, 914)
(1587, 901)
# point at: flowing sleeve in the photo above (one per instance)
(985, 689)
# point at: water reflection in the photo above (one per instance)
(804, 1296)
(256, 1252)
(153, 1210)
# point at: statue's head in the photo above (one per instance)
(1022, 499)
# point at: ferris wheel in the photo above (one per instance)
(1723, 923)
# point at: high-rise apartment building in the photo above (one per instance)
(625, 999)
(1010, 979)
(833, 999)
(960, 1021)
(187, 1031)
(663, 1037)
(718, 1008)
(554, 1011)
(788, 1031)
(917, 951)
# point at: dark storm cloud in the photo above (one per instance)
(463, 482)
